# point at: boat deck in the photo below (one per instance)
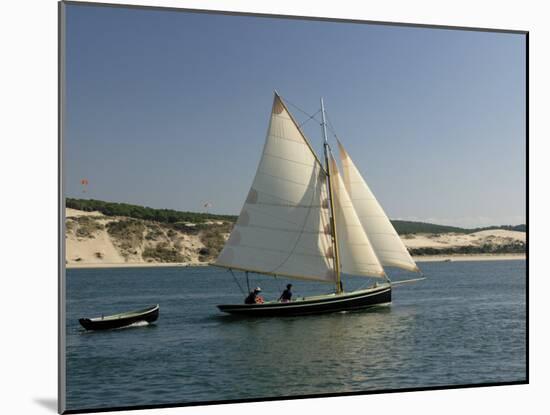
(355, 300)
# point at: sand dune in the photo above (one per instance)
(100, 249)
(450, 240)
(74, 213)
(89, 244)
(97, 250)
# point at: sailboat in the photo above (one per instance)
(304, 219)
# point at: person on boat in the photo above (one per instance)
(286, 295)
(253, 297)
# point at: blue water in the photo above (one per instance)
(465, 324)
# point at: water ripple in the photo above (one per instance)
(466, 324)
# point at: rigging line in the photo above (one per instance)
(299, 237)
(301, 133)
(303, 111)
(330, 126)
(311, 117)
(328, 119)
(278, 282)
(364, 285)
(236, 280)
(408, 281)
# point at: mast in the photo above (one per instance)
(339, 289)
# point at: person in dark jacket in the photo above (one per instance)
(286, 295)
(253, 297)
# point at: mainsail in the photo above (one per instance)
(384, 239)
(283, 228)
(357, 256)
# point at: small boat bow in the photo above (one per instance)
(115, 321)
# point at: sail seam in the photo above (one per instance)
(301, 142)
(313, 255)
(308, 231)
(301, 233)
(289, 160)
(388, 246)
(287, 205)
(270, 195)
(271, 215)
(251, 207)
(393, 250)
(307, 268)
(307, 185)
(358, 265)
(358, 243)
(302, 134)
(384, 233)
(282, 117)
(255, 271)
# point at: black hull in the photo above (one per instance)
(355, 300)
(117, 321)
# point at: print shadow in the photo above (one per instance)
(48, 403)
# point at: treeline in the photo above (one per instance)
(519, 228)
(145, 213)
(405, 227)
(173, 216)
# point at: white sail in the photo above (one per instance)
(386, 242)
(283, 228)
(356, 254)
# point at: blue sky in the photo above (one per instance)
(170, 110)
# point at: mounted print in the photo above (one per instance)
(259, 207)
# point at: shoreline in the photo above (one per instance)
(469, 257)
(427, 258)
(138, 265)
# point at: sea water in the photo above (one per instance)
(464, 324)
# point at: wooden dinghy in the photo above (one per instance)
(116, 321)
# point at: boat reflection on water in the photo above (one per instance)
(348, 347)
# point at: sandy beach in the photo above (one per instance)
(478, 257)
(427, 258)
